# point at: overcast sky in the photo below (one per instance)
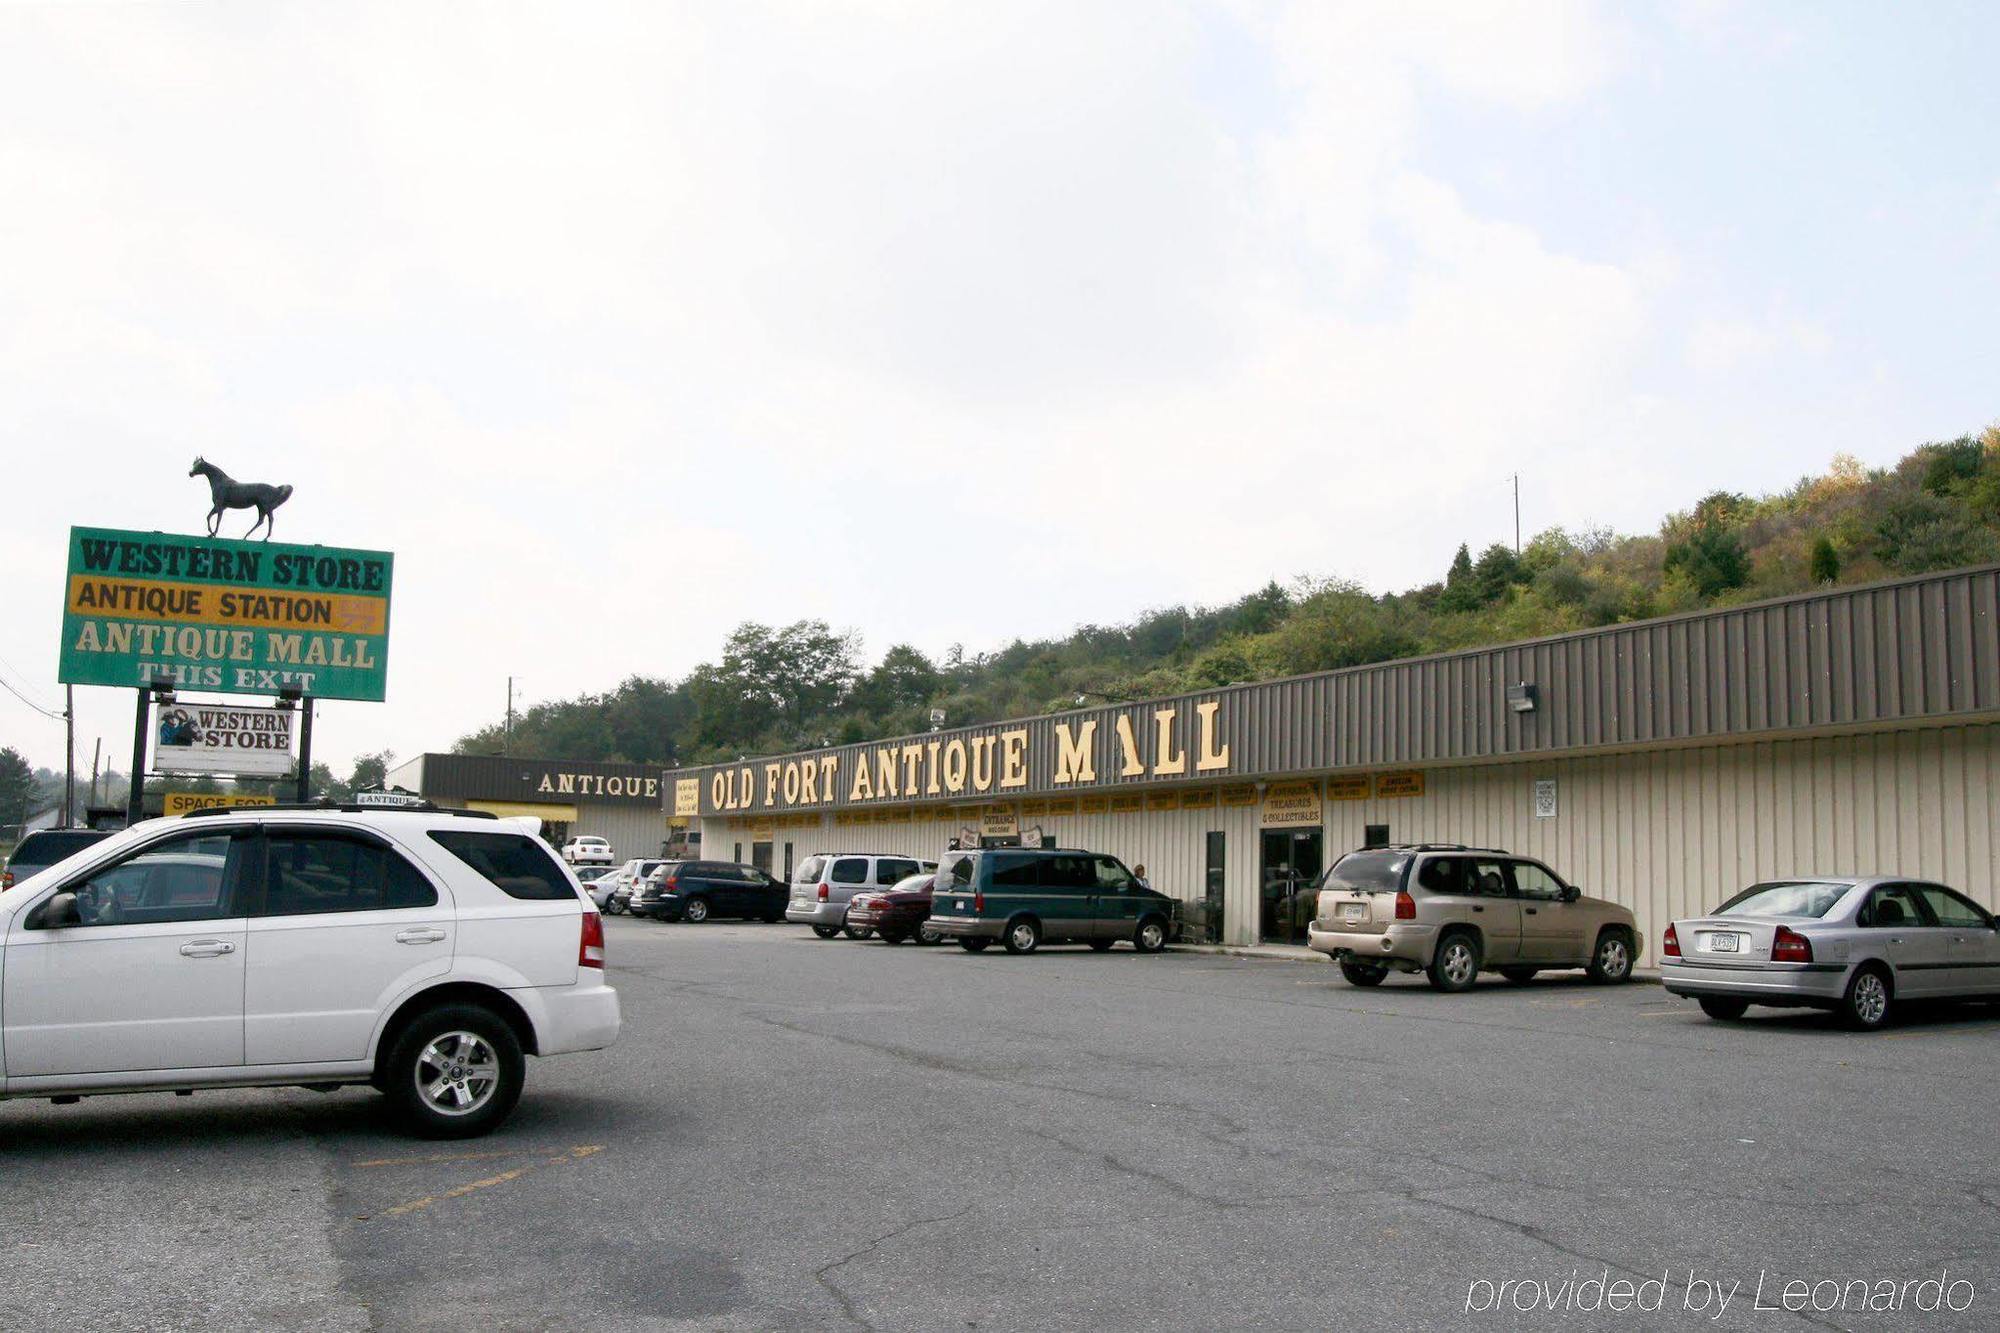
(954, 322)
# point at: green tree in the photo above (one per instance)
(1825, 562)
(1498, 570)
(1461, 592)
(902, 681)
(1711, 558)
(17, 787)
(772, 686)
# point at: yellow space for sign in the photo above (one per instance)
(180, 802)
(1407, 783)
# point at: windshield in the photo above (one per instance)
(1368, 872)
(1809, 897)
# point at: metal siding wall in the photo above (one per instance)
(632, 830)
(1673, 832)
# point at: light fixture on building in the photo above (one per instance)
(163, 688)
(1522, 698)
(937, 718)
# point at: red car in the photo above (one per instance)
(896, 914)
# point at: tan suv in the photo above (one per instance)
(1452, 912)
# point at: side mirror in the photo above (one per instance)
(59, 910)
(1571, 893)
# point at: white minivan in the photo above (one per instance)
(423, 951)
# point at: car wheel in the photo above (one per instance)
(896, 938)
(1100, 945)
(974, 946)
(1519, 975)
(1868, 1001)
(1455, 965)
(1362, 974)
(454, 1072)
(695, 912)
(1722, 1007)
(857, 932)
(1024, 935)
(1151, 936)
(774, 920)
(1611, 962)
(925, 935)
(826, 932)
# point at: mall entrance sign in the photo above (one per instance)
(233, 617)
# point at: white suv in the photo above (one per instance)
(422, 951)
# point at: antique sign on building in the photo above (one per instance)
(234, 617)
(619, 802)
(224, 738)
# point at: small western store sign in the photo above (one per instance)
(229, 616)
(224, 738)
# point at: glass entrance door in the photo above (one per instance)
(1288, 868)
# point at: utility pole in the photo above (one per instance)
(96, 753)
(1517, 513)
(69, 756)
(507, 736)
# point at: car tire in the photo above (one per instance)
(466, 1040)
(1869, 1000)
(1520, 976)
(925, 935)
(826, 932)
(896, 938)
(1024, 935)
(1362, 974)
(1151, 936)
(774, 920)
(1455, 965)
(1611, 960)
(1722, 1008)
(1100, 945)
(974, 946)
(695, 912)
(857, 932)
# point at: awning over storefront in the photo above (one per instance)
(548, 813)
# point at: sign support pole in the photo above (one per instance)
(305, 748)
(135, 799)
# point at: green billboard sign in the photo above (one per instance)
(232, 616)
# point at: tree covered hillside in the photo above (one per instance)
(803, 685)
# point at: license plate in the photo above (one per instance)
(1722, 943)
(959, 906)
(1354, 911)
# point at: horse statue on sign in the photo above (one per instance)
(227, 493)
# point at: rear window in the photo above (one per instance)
(888, 872)
(1813, 898)
(960, 872)
(518, 866)
(810, 868)
(1369, 872)
(48, 846)
(849, 870)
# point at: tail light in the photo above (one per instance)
(825, 892)
(6, 880)
(1406, 906)
(979, 900)
(672, 883)
(590, 949)
(1670, 946)
(1788, 946)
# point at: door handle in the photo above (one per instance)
(206, 948)
(419, 935)
(1477, 908)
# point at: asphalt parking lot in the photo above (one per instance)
(796, 1133)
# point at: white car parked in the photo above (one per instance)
(422, 951)
(586, 850)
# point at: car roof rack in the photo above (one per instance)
(1435, 847)
(338, 807)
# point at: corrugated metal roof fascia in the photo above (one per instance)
(1741, 670)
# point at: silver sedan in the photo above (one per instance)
(1857, 946)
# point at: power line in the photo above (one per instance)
(50, 715)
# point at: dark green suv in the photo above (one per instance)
(1026, 899)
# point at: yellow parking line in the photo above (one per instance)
(576, 1154)
(434, 1158)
